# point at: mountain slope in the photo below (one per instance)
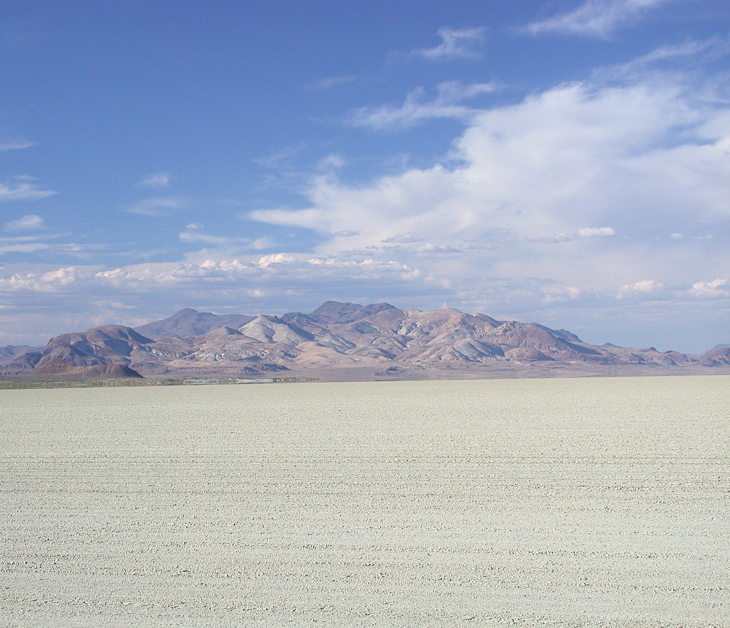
(190, 322)
(346, 340)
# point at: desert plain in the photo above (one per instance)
(557, 502)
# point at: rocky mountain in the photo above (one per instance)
(9, 352)
(189, 322)
(344, 341)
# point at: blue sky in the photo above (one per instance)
(565, 162)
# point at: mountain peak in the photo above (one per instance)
(341, 340)
(334, 312)
(190, 322)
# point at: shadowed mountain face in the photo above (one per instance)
(334, 313)
(9, 352)
(342, 340)
(188, 322)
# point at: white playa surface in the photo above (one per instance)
(583, 502)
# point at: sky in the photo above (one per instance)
(565, 162)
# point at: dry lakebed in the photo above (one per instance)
(556, 502)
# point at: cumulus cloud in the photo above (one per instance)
(644, 287)
(617, 169)
(561, 294)
(50, 281)
(26, 223)
(416, 109)
(278, 273)
(464, 43)
(158, 180)
(710, 289)
(585, 161)
(596, 232)
(22, 189)
(572, 155)
(596, 18)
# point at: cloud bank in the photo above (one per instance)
(604, 200)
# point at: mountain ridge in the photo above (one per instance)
(343, 341)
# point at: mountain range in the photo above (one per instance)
(340, 341)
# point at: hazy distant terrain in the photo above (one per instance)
(344, 341)
(582, 502)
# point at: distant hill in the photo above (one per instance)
(9, 352)
(343, 341)
(189, 322)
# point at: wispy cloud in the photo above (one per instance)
(155, 206)
(688, 53)
(281, 159)
(26, 223)
(596, 18)
(19, 145)
(329, 83)
(158, 180)
(590, 162)
(22, 189)
(464, 43)
(21, 247)
(403, 238)
(416, 109)
(194, 236)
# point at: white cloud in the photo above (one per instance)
(158, 180)
(415, 109)
(596, 17)
(281, 159)
(22, 247)
(225, 243)
(331, 162)
(43, 282)
(711, 289)
(155, 206)
(646, 158)
(561, 294)
(464, 43)
(644, 287)
(26, 223)
(15, 145)
(688, 55)
(597, 232)
(403, 238)
(22, 189)
(643, 158)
